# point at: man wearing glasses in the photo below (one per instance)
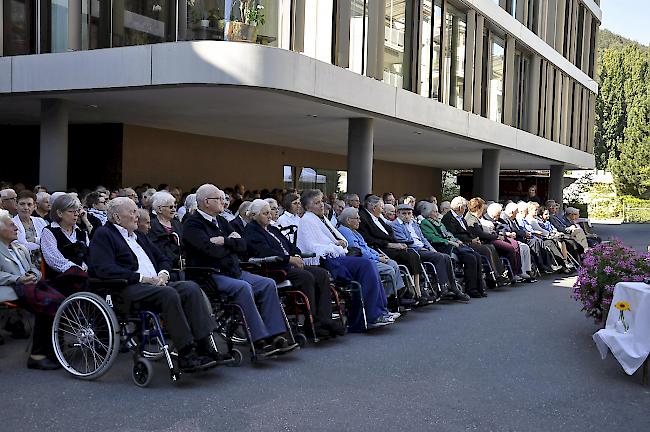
(10, 201)
(210, 241)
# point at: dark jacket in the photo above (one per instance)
(262, 244)
(237, 224)
(110, 257)
(476, 229)
(376, 238)
(165, 241)
(201, 252)
(513, 226)
(454, 227)
(560, 223)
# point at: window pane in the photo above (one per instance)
(358, 36)
(143, 22)
(495, 102)
(435, 60)
(18, 32)
(395, 33)
(425, 48)
(206, 19)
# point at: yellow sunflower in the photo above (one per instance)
(623, 306)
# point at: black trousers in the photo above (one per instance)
(472, 265)
(405, 257)
(488, 251)
(187, 318)
(314, 282)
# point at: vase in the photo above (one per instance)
(205, 23)
(238, 31)
(620, 328)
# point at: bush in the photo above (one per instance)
(628, 208)
(603, 267)
(635, 209)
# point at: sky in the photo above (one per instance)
(629, 18)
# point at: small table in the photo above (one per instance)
(631, 348)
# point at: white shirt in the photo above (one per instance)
(51, 253)
(315, 237)
(379, 224)
(460, 219)
(211, 219)
(288, 219)
(417, 241)
(145, 266)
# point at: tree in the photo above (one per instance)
(611, 108)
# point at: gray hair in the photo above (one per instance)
(572, 210)
(62, 203)
(162, 198)
(5, 192)
(4, 215)
(522, 207)
(255, 207)
(494, 208)
(348, 196)
(148, 193)
(511, 208)
(190, 202)
(204, 191)
(372, 202)
(308, 197)
(457, 203)
(143, 212)
(244, 207)
(426, 208)
(271, 201)
(347, 214)
(116, 205)
(41, 196)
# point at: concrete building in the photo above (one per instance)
(386, 92)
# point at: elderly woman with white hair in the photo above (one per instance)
(188, 207)
(42, 209)
(348, 227)
(242, 218)
(275, 210)
(166, 231)
(555, 259)
(265, 240)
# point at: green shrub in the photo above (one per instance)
(628, 208)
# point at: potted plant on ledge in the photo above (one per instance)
(244, 27)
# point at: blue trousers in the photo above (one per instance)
(249, 290)
(363, 271)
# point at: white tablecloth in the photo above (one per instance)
(630, 348)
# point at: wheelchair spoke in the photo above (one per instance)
(70, 319)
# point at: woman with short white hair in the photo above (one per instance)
(166, 230)
(275, 211)
(42, 206)
(189, 206)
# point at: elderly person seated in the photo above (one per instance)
(337, 207)
(349, 227)
(407, 230)
(380, 236)
(42, 209)
(264, 240)
(492, 223)
(352, 200)
(443, 241)
(445, 206)
(129, 193)
(117, 252)
(317, 235)
(241, 218)
(388, 213)
(188, 207)
(539, 255)
(552, 244)
(17, 273)
(567, 244)
(9, 201)
(144, 221)
(275, 210)
(166, 231)
(210, 241)
(146, 198)
(389, 198)
(567, 224)
(96, 209)
(29, 227)
(454, 221)
(475, 211)
(292, 212)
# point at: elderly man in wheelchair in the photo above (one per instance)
(116, 252)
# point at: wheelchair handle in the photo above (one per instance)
(270, 259)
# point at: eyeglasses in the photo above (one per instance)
(217, 198)
(9, 199)
(173, 206)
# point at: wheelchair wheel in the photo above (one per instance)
(300, 339)
(85, 335)
(238, 356)
(142, 372)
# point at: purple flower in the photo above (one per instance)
(608, 269)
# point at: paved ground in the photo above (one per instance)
(520, 360)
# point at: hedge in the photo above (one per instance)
(628, 208)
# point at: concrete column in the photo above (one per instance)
(534, 83)
(542, 99)
(541, 19)
(360, 154)
(586, 41)
(550, 86)
(478, 64)
(556, 183)
(591, 123)
(559, 30)
(376, 17)
(551, 18)
(509, 80)
(565, 127)
(490, 169)
(74, 25)
(584, 119)
(298, 42)
(521, 14)
(575, 122)
(2, 44)
(557, 109)
(470, 44)
(182, 20)
(453, 77)
(53, 165)
(573, 38)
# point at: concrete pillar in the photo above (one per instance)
(376, 18)
(453, 77)
(550, 86)
(556, 183)
(360, 153)
(540, 25)
(533, 94)
(551, 18)
(586, 41)
(591, 124)
(557, 109)
(521, 14)
(53, 165)
(298, 42)
(478, 64)
(1, 32)
(74, 25)
(584, 120)
(573, 38)
(490, 169)
(565, 127)
(468, 97)
(560, 20)
(575, 122)
(542, 99)
(509, 80)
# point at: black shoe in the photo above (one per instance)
(43, 364)
(17, 329)
(474, 294)
(204, 348)
(335, 328)
(461, 297)
(194, 362)
(483, 293)
(283, 345)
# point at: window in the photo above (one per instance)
(520, 90)
(144, 22)
(495, 86)
(397, 31)
(19, 33)
(302, 178)
(454, 62)
(359, 36)
(430, 48)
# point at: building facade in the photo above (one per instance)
(385, 93)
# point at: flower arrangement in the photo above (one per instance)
(603, 267)
(623, 306)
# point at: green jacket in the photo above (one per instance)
(436, 232)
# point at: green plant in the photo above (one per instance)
(250, 12)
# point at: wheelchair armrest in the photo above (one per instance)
(264, 260)
(109, 283)
(307, 255)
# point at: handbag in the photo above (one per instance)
(354, 251)
(39, 297)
